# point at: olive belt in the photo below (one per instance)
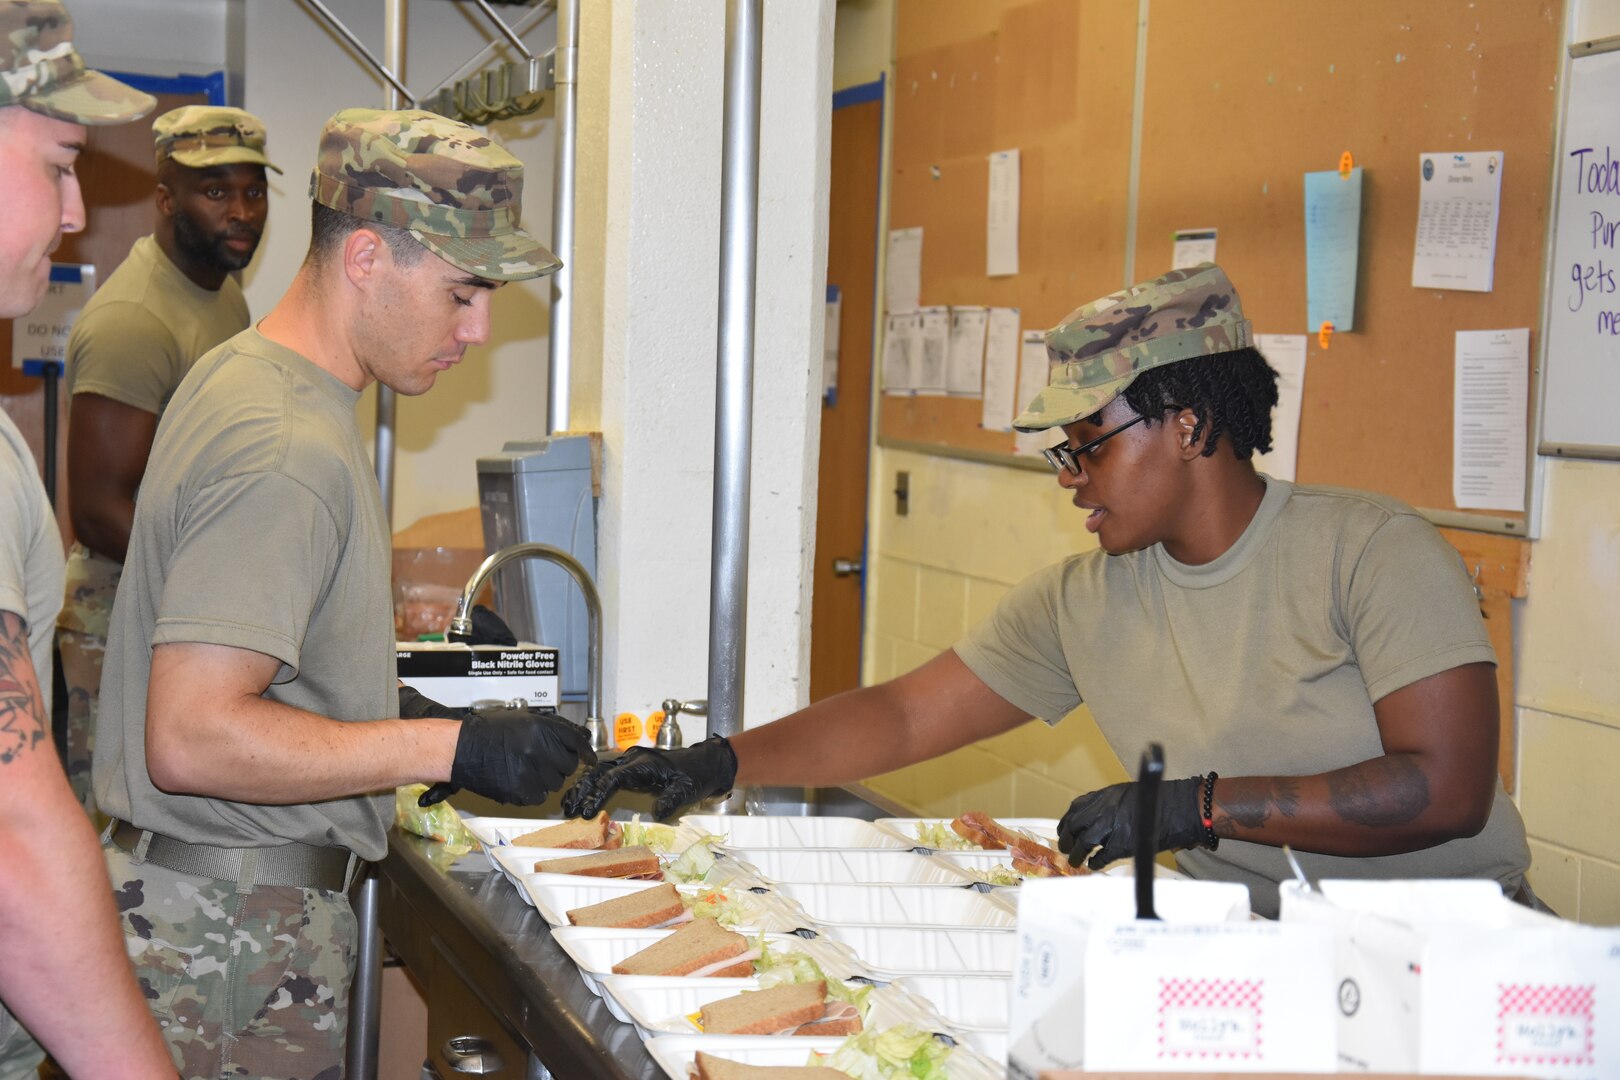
(290, 865)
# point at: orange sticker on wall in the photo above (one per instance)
(626, 730)
(655, 720)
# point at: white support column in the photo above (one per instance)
(647, 267)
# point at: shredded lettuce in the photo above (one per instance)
(997, 875)
(728, 907)
(695, 862)
(783, 967)
(939, 836)
(896, 1053)
(437, 822)
(661, 838)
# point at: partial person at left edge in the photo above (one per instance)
(170, 301)
(65, 979)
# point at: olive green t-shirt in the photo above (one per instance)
(134, 341)
(143, 329)
(1264, 662)
(30, 551)
(259, 527)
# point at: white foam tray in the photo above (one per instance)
(989, 1043)
(843, 833)
(893, 951)
(850, 867)
(976, 861)
(553, 899)
(663, 1006)
(905, 828)
(901, 905)
(595, 949)
(517, 864)
(965, 1001)
(676, 1053)
(495, 832)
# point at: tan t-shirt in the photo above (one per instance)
(143, 329)
(1265, 662)
(134, 341)
(259, 527)
(30, 550)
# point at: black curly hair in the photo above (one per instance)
(1232, 394)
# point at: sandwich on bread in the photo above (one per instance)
(709, 1067)
(699, 948)
(792, 1009)
(586, 833)
(1028, 856)
(635, 910)
(630, 862)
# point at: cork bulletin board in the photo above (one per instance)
(1238, 101)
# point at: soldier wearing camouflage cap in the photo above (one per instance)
(174, 297)
(1317, 655)
(60, 946)
(249, 739)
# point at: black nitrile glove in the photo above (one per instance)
(516, 756)
(1108, 817)
(417, 706)
(679, 777)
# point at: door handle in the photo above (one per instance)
(472, 1055)
(846, 567)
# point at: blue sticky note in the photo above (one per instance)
(1332, 237)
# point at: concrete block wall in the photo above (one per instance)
(971, 532)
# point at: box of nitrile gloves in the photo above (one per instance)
(466, 675)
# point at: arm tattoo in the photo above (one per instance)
(1383, 791)
(22, 710)
(1251, 812)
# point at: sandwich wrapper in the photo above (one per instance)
(1452, 977)
(1201, 988)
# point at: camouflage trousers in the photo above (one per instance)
(81, 635)
(20, 1055)
(251, 984)
(81, 671)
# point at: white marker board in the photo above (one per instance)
(1581, 390)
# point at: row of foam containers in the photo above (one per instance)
(867, 901)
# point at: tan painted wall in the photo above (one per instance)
(976, 529)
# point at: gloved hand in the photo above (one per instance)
(417, 706)
(516, 756)
(1108, 817)
(679, 777)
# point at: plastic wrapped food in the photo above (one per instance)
(437, 822)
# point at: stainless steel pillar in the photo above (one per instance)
(365, 996)
(739, 220)
(559, 381)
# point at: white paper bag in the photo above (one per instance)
(1206, 988)
(1452, 977)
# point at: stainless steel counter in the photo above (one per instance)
(491, 970)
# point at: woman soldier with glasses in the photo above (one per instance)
(1316, 654)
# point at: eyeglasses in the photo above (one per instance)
(1060, 457)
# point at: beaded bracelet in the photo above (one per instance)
(1211, 841)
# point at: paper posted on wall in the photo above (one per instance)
(1000, 369)
(902, 273)
(902, 334)
(1459, 202)
(1033, 368)
(1286, 354)
(1192, 247)
(1488, 426)
(964, 356)
(1001, 216)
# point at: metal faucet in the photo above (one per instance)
(669, 734)
(595, 726)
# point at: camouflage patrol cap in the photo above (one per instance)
(40, 70)
(200, 136)
(455, 188)
(1100, 348)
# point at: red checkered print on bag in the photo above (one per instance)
(1545, 1025)
(1239, 999)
